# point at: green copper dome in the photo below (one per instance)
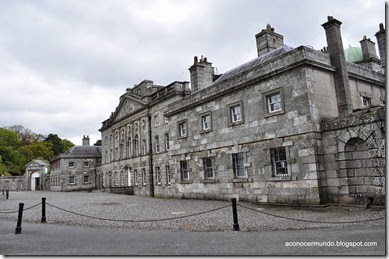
(353, 54)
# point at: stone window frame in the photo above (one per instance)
(245, 176)
(233, 105)
(181, 136)
(274, 165)
(73, 181)
(182, 170)
(156, 120)
(88, 179)
(202, 130)
(212, 160)
(71, 164)
(367, 100)
(158, 175)
(166, 120)
(86, 163)
(135, 177)
(167, 141)
(157, 144)
(266, 102)
(168, 174)
(144, 177)
(289, 161)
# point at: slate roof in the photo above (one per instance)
(84, 150)
(253, 63)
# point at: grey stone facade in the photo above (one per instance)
(77, 169)
(262, 132)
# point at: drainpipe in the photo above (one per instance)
(151, 159)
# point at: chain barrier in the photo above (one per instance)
(311, 221)
(16, 211)
(138, 221)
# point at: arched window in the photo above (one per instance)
(136, 145)
(129, 151)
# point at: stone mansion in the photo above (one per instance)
(294, 125)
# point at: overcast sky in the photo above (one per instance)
(64, 64)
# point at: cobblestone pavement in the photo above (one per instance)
(125, 207)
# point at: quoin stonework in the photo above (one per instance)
(294, 125)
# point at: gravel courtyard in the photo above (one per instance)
(125, 207)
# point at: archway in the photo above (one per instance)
(361, 169)
(35, 181)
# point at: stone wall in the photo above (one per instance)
(354, 157)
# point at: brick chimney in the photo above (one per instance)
(201, 74)
(268, 40)
(338, 60)
(85, 140)
(381, 44)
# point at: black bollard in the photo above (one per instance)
(6, 194)
(18, 228)
(43, 219)
(235, 215)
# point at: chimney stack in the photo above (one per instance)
(338, 60)
(85, 140)
(201, 74)
(268, 40)
(381, 44)
(369, 55)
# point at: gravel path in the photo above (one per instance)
(124, 207)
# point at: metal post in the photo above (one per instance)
(235, 215)
(43, 219)
(6, 194)
(18, 228)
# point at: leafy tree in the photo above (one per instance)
(56, 142)
(66, 144)
(37, 150)
(26, 136)
(98, 143)
(9, 138)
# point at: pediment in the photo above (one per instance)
(127, 106)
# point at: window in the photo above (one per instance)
(71, 180)
(184, 170)
(129, 147)
(182, 129)
(144, 145)
(156, 144)
(71, 164)
(143, 176)
(274, 102)
(168, 175)
(135, 177)
(166, 120)
(238, 165)
(207, 167)
(206, 122)
(86, 164)
(136, 145)
(121, 178)
(278, 161)
(366, 102)
(106, 156)
(167, 142)
(86, 179)
(106, 140)
(158, 174)
(235, 113)
(156, 120)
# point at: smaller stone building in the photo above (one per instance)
(76, 169)
(35, 178)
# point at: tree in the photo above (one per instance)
(9, 138)
(26, 136)
(37, 150)
(56, 142)
(98, 143)
(66, 144)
